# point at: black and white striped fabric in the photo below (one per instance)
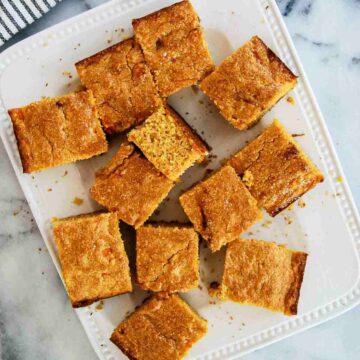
(17, 14)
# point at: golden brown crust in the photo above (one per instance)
(174, 47)
(167, 258)
(92, 256)
(56, 131)
(263, 274)
(130, 186)
(298, 263)
(163, 328)
(248, 83)
(123, 86)
(280, 172)
(168, 142)
(221, 208)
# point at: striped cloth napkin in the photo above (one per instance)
(17, 14)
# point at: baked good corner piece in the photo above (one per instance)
(248, 83)
(275, 169)
(274, 285)
(130, 186)
(174, 47)
(168, 142)
(124, 89)
(92, 256)
(56, 131)
(221, 208)
(165, 327)
(167, 257)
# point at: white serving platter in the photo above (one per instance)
(328, 227)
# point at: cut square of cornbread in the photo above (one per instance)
(165, 327)
(248, 83)
(221, 208)
(92, 256)
(130, 186)
(275, 169)
(174, 47)
(264, 274)
(167, 257)
(123, 87)
(168, 142)
(56, 131)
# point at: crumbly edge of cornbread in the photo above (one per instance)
(198, 150)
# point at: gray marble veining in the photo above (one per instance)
(36, 321)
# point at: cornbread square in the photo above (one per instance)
(248, 83)
(57, 131)
(174, 47)
(167, 257)
(263, 274)
(165, 327)
(275, 169)
(130, 186)
(124, 89)
(92, 257)
(168, 142)
(221, 208)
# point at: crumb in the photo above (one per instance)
(16, 212)
(231, 318)
(77, 201)
(187, 113)
(49, 189)
(47, 84)
(250, 233)
(122, 30)
(65, 173)
(266, 224)
(100, 305)
(42, 273)
(291, 100)
(298, 135)
(68, 74)
(288, 220)
(266, 7)
(301, 203)
(109, 41)
(291, 207)
(201, 102)
(339, 179)
(39, 248)
(200, 287)
(195, 89)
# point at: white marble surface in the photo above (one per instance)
(36, 321)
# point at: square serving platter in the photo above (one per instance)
(326, 224)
